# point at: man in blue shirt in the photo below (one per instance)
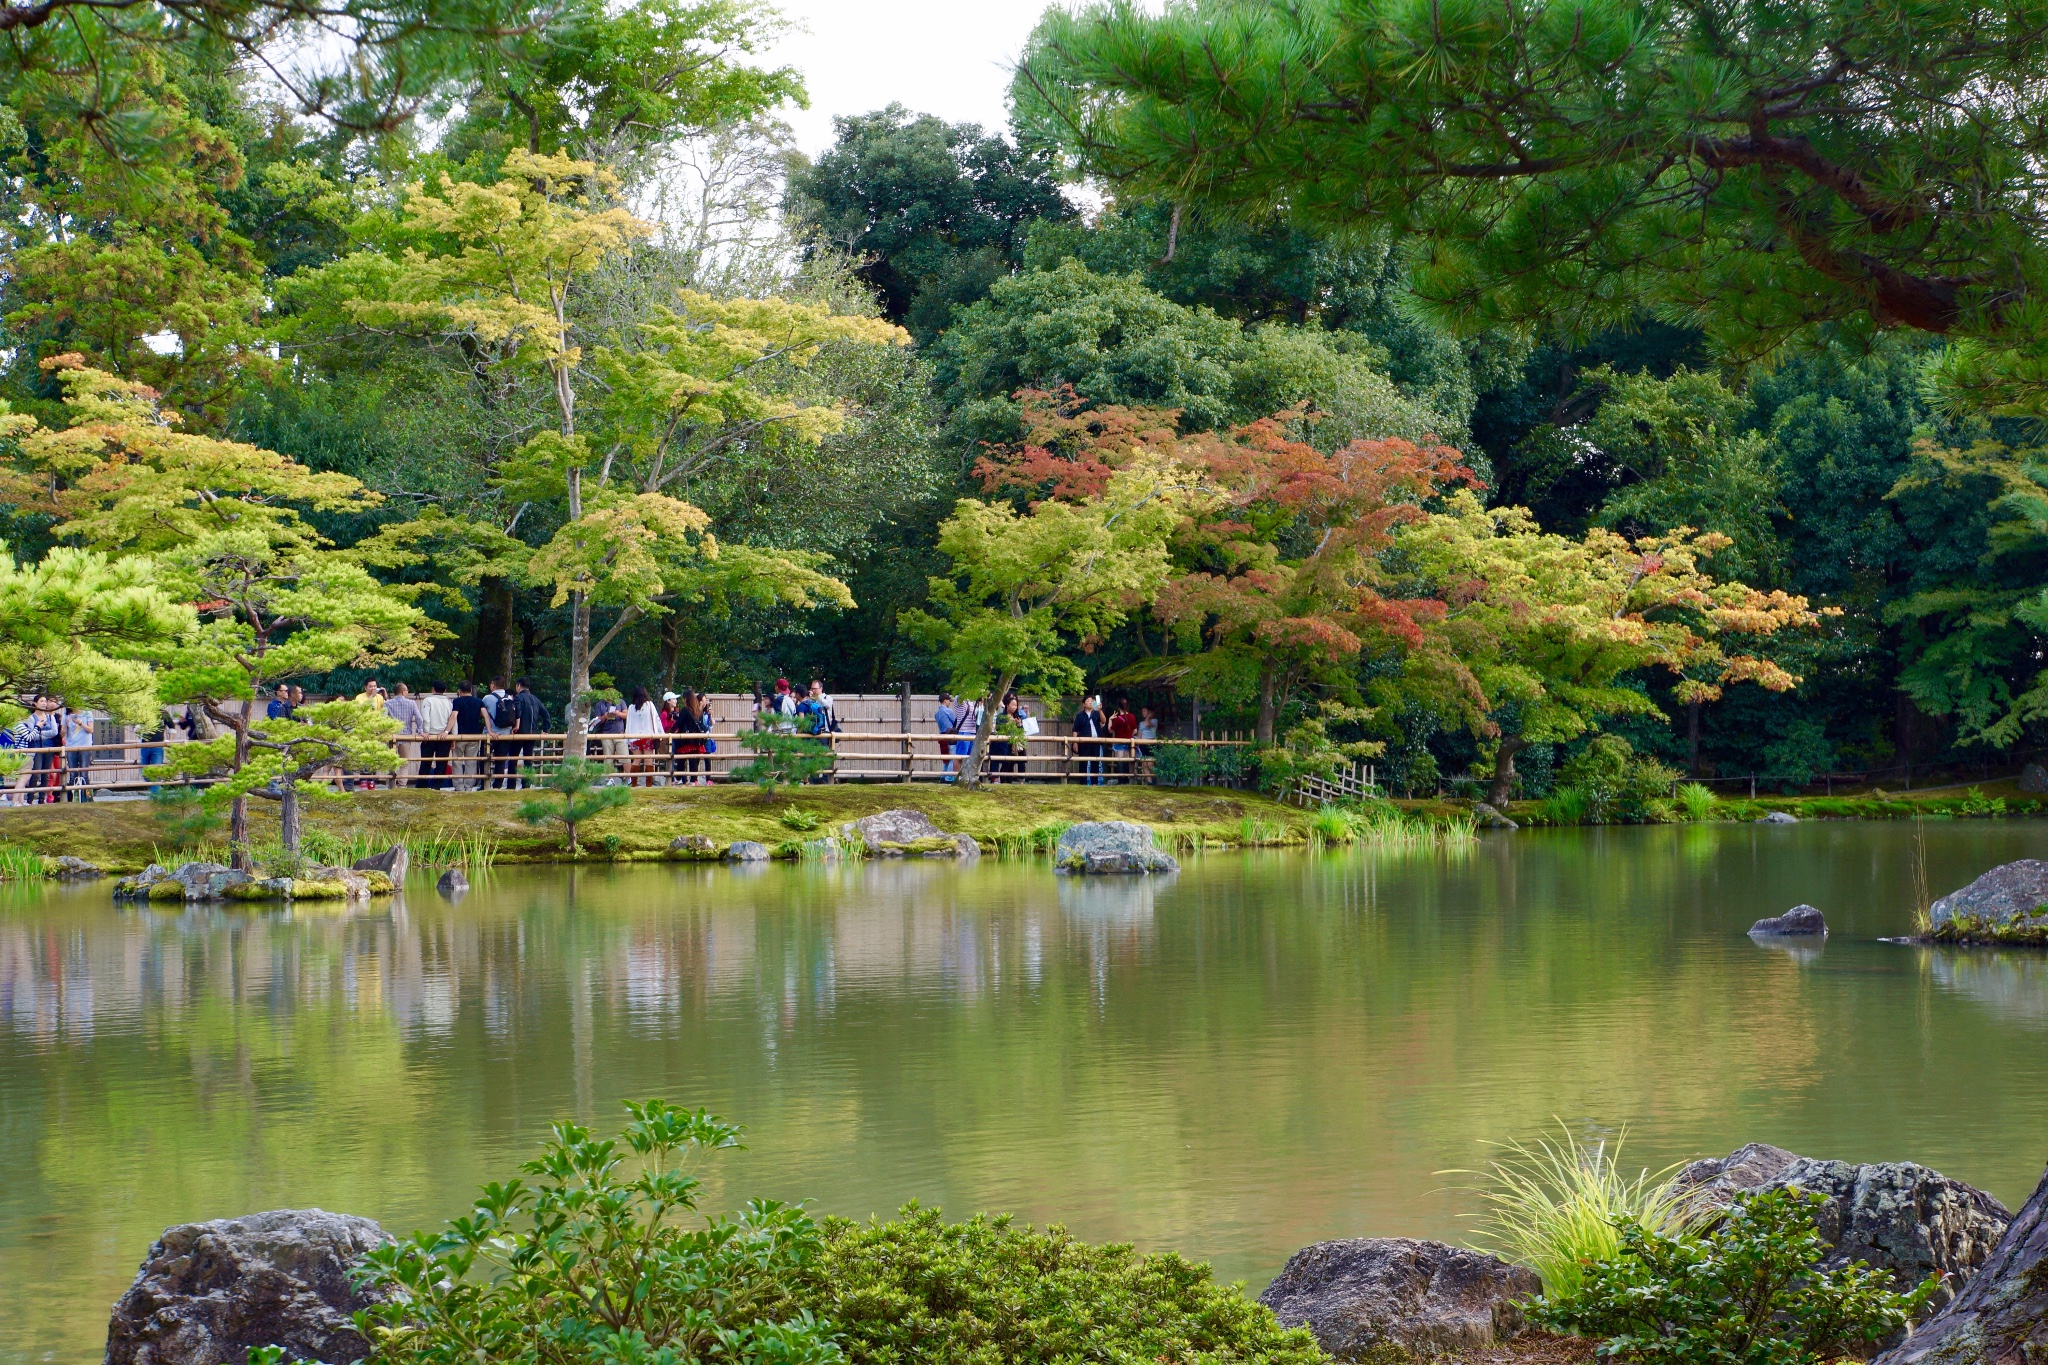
(280, 707)
(946, 719)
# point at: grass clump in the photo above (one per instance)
(919, 1291)
(1557, 1206)
(18, 864)
(803, 821)
(1696, 800)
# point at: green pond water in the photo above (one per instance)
(1261, 1052)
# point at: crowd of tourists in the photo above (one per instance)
(1106, 755)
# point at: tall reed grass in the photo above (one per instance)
(1553, 1206)
(1696, 800)
(1034, 842)
(19, 864)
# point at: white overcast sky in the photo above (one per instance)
(946, 57)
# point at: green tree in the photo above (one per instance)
(936, 210)
(582, 790)
(78, 625)
(1542, 633)
(1020, 582)
(222, 524)
(1572, 161)
(1116, 342)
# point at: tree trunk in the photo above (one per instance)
(238, 812)
(493, 656)
(671, 646)
(579, 673)
(1692, 739)
(977, 757)
(288, 815)
(1504, 770)
(571, 824)
(1269, 705)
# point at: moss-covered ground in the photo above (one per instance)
(126, 835)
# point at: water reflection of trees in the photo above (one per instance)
(1261, 1051)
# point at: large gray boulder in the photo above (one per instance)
(1778, 817)
(1891, 1215)
(746, 851)
(1110, 846)
(1799, 920)
(394, 862)
(2004, 895)
(207, 1292)
(2001, 1316)
(1425, 1297)
(454, 883)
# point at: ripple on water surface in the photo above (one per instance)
(1261, 1052)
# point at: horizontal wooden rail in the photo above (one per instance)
(115, 770)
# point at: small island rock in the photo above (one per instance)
(207, 1292)
(1893, 1215)
(1800, 919)
(2005, 895)
(1098, 847)
(1426, 1298)
(454, 882)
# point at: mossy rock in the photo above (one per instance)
(380, 882)
(918, 848)
(167, 891)
(316, 889)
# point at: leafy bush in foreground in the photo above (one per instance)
(591, 1265)
(1748, 1292)
(990, 1292)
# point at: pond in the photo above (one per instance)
(1261, 1052)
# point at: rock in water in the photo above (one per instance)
(1425, 1297)
(2034, 778)
(1893, 1215)
(1778, 817)
(2003, 895)
(970, 851)
(1488, 817)
(746, 851)
(207, 1292)
(452, 883)
(900, 833)
(1110, 846)
(1800, 919)
(693, 846)
(394, 862)
(72, 869)
(2001, 1316)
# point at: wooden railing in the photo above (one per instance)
(115, 770)
(1354, 783)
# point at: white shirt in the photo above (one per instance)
(644, 719)
(435, 708)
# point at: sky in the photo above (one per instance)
(946, 57)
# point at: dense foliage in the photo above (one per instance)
(586, 377)
(992, 1292)
(595, 1257)
(1748, 1291)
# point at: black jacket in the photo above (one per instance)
(1088, 724)
(533, 713)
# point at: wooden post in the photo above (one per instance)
(903, 705)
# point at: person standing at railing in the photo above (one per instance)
(965, 725)
(1148, 729)
(437, 723)
(944, 720)
(504, 720)
(466, 714)
(404, 708)
(78, 754)
(1122, 725)
(532, 714)
(643, 724)
(1088, 724)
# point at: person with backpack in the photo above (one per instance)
(530, 718)
(500, 716)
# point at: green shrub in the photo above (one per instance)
(1557, 1206)
(918, 1291)
(580, 789)
(1615, 784)
(795, 817)
(1227, 765)
(1177, 765)
(1747, 1292)
(591, 1264)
